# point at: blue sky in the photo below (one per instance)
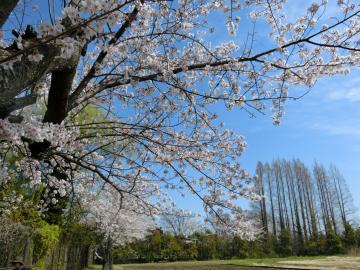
(324, 125)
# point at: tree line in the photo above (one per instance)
(303, 212)
(308, 206)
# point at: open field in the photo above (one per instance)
(335, 262)
(321, 263)
(213, 264)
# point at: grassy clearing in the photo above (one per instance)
(241, 262)
(94, 267)
(212, 264)
(332, 262)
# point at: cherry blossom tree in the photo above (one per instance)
(150, 67)
(120, 220)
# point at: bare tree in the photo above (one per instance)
(180, 222)
(271, 196)
(342, 195)
(262, 203)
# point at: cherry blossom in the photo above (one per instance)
(152, 70)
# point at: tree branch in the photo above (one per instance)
(102, 55)
(19, 103)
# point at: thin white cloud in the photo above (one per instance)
(347, 129)
(295, 8)
(341, 88)
(352, 95)
(347, 133)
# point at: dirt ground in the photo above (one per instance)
(329, 263)
(203, 267)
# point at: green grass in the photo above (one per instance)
(191, 264)
(94, 267)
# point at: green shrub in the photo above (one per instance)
(333, 243)
(46, 239)
(284, 244)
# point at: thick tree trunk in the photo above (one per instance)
(61, 83)
(108, 255)
(26, 74)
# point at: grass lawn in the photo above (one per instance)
(94, 267)
(195, 264)
(242, 262)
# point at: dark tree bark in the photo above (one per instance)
(61, 82)
(6, 7)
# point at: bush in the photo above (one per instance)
(240, 247)
(46, 239)
(349, 237)
(312, 248)
(333, 243)
(284, 244)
